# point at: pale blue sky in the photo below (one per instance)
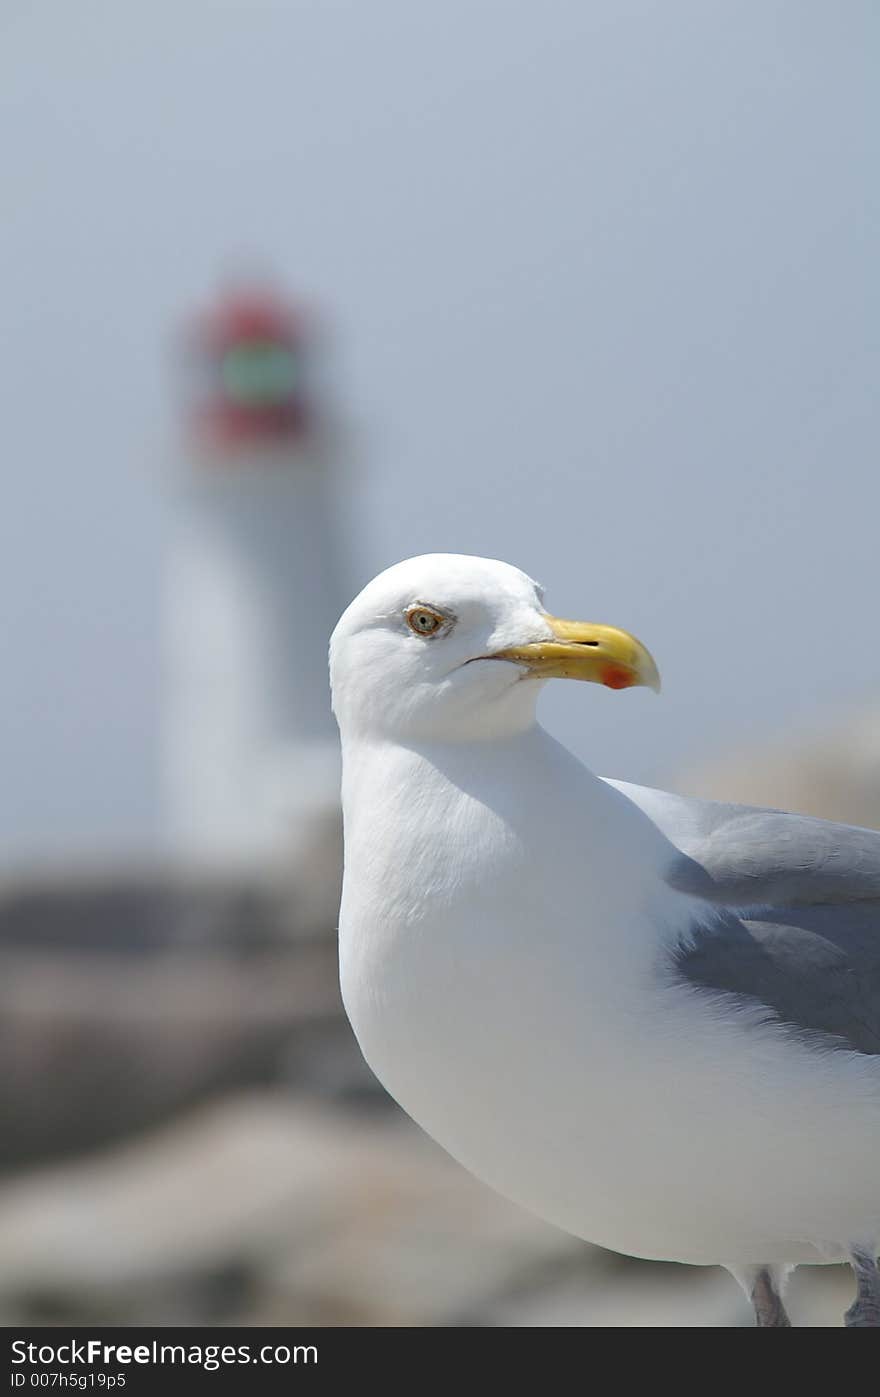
(602, 274)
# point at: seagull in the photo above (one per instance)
(651, 1020)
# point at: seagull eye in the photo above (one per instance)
(423, 620)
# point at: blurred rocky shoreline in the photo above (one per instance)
(191, 1135)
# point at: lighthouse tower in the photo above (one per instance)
(252, 593)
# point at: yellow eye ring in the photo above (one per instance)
(423, 621)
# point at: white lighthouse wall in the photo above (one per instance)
(253, 595)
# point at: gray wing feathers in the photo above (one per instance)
(815, 968)
(741, 856)
(761, 858)
(797, 920)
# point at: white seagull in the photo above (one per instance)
(653, 1021)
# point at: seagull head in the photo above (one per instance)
(447, 647)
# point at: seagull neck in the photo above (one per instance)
(523, 792)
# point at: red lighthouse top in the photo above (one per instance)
(250, 355)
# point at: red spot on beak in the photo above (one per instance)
(614, 677)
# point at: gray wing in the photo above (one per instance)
(798, 911)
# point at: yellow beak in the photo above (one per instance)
(582, 650)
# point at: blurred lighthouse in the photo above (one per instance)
(253, 592)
